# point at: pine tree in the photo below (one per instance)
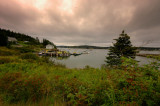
(3, 39)
(121, 48)
(46, 42)
(37, 40)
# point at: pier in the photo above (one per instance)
(59, 53)
(54, 53)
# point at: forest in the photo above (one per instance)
(4, 34)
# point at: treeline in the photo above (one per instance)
(97, 47)
(19, 36)
(84, 47)
(4, 34)
(149, 48)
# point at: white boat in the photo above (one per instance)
(85, 52)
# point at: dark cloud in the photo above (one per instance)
(146, 15)
(15, 16)
(78, 22)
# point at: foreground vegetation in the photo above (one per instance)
(26, 79)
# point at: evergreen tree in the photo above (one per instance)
(121, 48)
(3, 39)
(46, 42)
(37, 40)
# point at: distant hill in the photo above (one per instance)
(98, 47)
(24, 37)
(84, 47)
(149, 48)
(19, 36)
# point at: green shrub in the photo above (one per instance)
(25, 49)
(29, 56)
(45, 59)
(7, 52)
(4, 60)
(16, 87)
(130, 84)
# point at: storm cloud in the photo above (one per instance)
(84, 22)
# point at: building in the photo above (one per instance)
(49, 46)
(11, 39)
(26, 41)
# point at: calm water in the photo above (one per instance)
(95, 58)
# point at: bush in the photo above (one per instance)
(4, 60)
(7, 52)
(45, 59)
(16, 87)
(24, 49)
(127, 85)
(29, 56)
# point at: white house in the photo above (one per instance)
(26, 41)
(49, 46)
(11, 39)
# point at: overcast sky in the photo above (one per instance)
(84, 22)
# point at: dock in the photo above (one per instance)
(59, 53)
(54, 53)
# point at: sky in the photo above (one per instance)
(84, 22)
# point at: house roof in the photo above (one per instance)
(49, 45)
(12, 39)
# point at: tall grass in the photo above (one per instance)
(8, 52)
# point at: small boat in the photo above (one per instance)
(41, 54)
(85, 52)
(76, 54)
